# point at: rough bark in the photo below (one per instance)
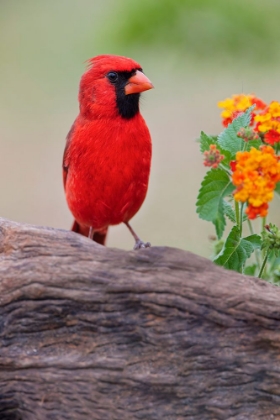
(88, 332)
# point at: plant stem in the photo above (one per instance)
(263, 222)
(257, 255)
(225, 169)
(241, 219)
(237, 214)
(250, 226)
(263, 264)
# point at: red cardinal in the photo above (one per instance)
(107, 158)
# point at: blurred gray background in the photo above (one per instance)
(196, 52)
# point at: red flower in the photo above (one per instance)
(272, 137)
(259, 103)
(252, 212)
(229, 120)
(233, 165)
(226, 121)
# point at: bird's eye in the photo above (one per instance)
(112, 76)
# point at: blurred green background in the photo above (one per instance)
(196, 52)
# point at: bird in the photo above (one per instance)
(107, 156)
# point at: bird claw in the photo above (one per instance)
(140, 244)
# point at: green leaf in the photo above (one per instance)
(228, 139)
(205, 141)
(273, 253)
(250, 270)
(277, 188)
(255, 240)
(217, 247)
(237, 250)
(275, 262)
(229, 212)
(244, 119)
(252, 143)
(227, 157)
(210, 204)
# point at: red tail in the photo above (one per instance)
(99, 237)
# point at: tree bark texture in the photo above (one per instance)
(88, 332)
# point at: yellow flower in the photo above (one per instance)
(243, 102)
(263, 118)
(237, 104)
(227, 103)
(269, 119)
(274, 109)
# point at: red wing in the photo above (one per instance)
(65, 161)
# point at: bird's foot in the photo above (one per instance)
(140, 244)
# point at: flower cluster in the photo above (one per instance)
(265, 120)
(271, 237)
(238, 104)
(255, 174)
(212, 156)
(246, 156)
(268, 122)
(247, 134)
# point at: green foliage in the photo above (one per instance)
(228, 139)
(250, 270)
(230, 213)
(206, 141)
(237, 250)
(217, 247)
(276, 272)
(277, 189)
(271, 240)
(210, 204)
(252, 143)
(202, 28)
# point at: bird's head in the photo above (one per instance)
(111, 87)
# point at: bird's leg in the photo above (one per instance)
(90, 233)
(138, 242)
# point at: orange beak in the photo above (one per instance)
(138, 83)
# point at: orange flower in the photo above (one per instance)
(255, 175)
(238, 104)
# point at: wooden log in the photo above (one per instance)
(89, 332)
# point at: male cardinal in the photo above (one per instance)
(107, 158)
